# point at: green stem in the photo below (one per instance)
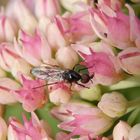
(127, 83)
(133, 104)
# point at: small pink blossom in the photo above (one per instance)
(119, 30)
(31, 129)
(30, 96)
(35, 48)
(102, 65)
(76, 27)
(129, 60)
(83, 121)
(10, 61)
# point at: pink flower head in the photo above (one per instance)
(102, 65)
(31, 129)
(76, 27)
(118, 30)
(82, 122)
(34, 48)
(30, 96)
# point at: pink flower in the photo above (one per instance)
(82, 121)
(103, 66)
(48, 8)
(109, 6)
(6, 86)
(10, 61)
(129, 60)
(118, 30)
(76, 27)
(34, 48)
(62, 136)
(31, 129)
(30, 96)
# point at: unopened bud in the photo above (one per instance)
(113, 104)
(91, 94)
(121, 131)
(135, 132)
(67, 57)
(59, 96)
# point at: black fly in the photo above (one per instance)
(55, 74)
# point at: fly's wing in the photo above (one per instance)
(53, 74)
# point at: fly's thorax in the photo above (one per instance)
(71, 76)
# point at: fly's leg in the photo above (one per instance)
(81, 85)
(45, 85)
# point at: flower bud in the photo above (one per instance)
(121, 131)
(3, 129)
(129, 60)
(91, 94)
(43, 24)
(135, 132)
(70, 5)
(48, 8)
(18, 10)
(67, 57)
(57, 41)
(8, 29)
(59, 96)
(113, 104)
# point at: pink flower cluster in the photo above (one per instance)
(98, 36)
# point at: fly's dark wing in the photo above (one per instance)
(53, 74)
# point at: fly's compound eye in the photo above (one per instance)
(85, 78)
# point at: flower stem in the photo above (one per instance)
(133, 104)
(127, 83)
